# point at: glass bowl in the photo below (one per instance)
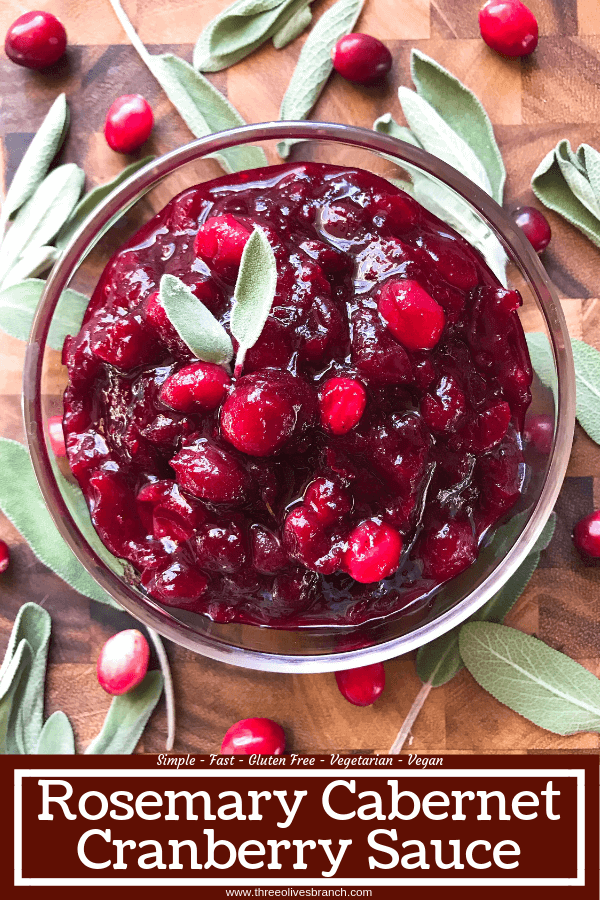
(308, 649)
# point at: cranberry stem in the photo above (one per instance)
(130, 31)
(411, 718)
(168, 685)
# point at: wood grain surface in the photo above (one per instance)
(532, 104)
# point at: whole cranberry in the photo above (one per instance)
(129, 122)
(328, 499)
(4, 556)
(254, 736)
(220, 242)
(200, 386)
(56, 435)
(362, 686)
(210, 473)
(534, 225)
(508, 27)
(123, 662)
(36, 40)
(373, 553)
(411, 314)
(586, 535)
(539, 432)
(342, 402)
(361, 58)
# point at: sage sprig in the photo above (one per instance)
(298, 21)
(541, 684)
(314, 63)
(254, 293)
(202, 107)
(194, 323)
(569, 184)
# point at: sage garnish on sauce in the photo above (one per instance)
(569, 184)
(194, 323)
(203, 108)
(314, 64)
(254, 293)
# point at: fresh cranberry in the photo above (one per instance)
(254, 736)
(306, 540)
(128, 124)
(343, 402)
(508, 27)
(197, 386)
(539, 432)
(586, 535)
(535, 226)
(373, 553)
(411, 314)
(444, 409)
(4, 556)
(447, 550)
(123, 662)
(56, 435)
(220, 242)
(361, 58)
(328, 499)
(210, 473)
(36, 40)
(362, 686)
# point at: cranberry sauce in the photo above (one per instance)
(371, 440)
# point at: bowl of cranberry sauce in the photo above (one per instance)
(362, 476)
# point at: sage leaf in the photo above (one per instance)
(43, 215)
(587, 377)
(550, 186)
(37, 158)
(590, 159)
(19, 302)
(127, 717)
(254, 293)
(194, 323)
(36, 262)
(94, 198)
(15, 673)
(463, 112)
(385, 124)
(202, 107)
(576, 177)
(542, 358)
(298, 22)
(22, 503)
(541, 684)
(314, 63)
(237, 31)
(440, 139)
(57, 736)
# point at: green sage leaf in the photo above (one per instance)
(293, 27)
(587, 377)
(34, 263)
(440, 139)
(385, 124)
(194, 323)
(237, 31)
(254, 293)
(542, 358)
(21, 501)
(463, 112)
(590, 160)
(576, 177)
(94, 198)
(18, 304)
(57, 736)
(15, 673)
(314, 64)
(127, 717)
(37, 158)
(43, 215)
(547, 687)
(550, 186)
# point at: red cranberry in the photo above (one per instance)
(254, 736)
(129, 122)
(363, 686)
(123, 341)
(210, 473)
(539, 432)
(373, 553)
(328, 499)
(220, 242)
(488, 428)
(267, 552)
(361, 58)
(123, 662)
(535, 226)
(376, 354)
(305, 540)
(401, 211)
(447, 550)
(36, 40)
(200, 385)
(221, 548)
(175, 583)
(413, 317)
(4, 556)
(586, 535)
(56, 435)
(508, 27)
(444, 409)
(343, 401)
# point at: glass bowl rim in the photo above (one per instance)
(133, 189)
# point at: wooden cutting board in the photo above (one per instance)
(532, 103)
